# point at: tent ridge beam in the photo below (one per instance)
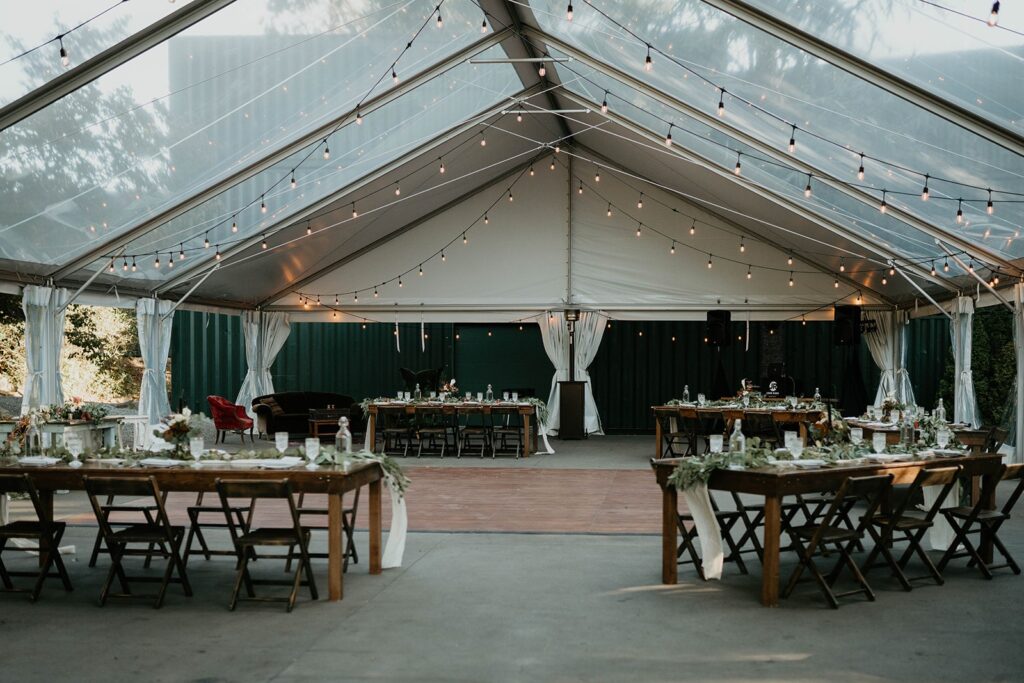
(865, 71)
(801, 166)
(271, 158)
(108, 60)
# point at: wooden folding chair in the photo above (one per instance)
(752, 516)
(810, 539)
(986, 523)
(912, 527)
(395, 430)
(245, 541)
(348, 525)
(473, 425)
(673, 434)
(432, 428)
(242, 513)
(43, 530)
(506, 430)
(156, 533)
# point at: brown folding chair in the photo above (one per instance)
(912, 527)
(146, 509)
(473, 425)
(506, 430)
(978, 520)
(810, 539)
(727, 519)
(43, 530)
(242, 513)
(156, 533)
(395, 429)
(348, 525)
(432, 427)
(247, 540)
(752, 516)
(673, 433)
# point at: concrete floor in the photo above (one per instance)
(520, 607)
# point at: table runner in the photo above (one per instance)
(698, 502)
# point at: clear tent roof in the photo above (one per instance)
(182, 144)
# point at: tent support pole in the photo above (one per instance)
(180, 301)
(88, 282)
(976, 276)
(925, 294)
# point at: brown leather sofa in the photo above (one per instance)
(288, 411)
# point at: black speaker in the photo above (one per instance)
(717, 330)
(846, 326)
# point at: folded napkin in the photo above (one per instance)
(38, 460)
(159, 462)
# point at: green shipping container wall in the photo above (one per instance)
(638, 365)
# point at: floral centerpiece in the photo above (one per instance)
(77, 409)
(892, 408)
(825, 433)
(178, 428)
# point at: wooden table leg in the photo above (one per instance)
(988, 495)
(46, 502)
(375, 527)
(335, 559)
(770, 568)
(657, 440)
(527, 443)
(669, 535)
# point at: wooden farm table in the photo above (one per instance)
(527, 410)
(800, 417)
(972, 438)
(326, 479)
(774, 484)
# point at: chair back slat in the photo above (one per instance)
(870, 489)
(937, 476)
(15, 483)
(119, 486)
(248, 488)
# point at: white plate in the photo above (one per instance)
(275, 464)
(948, 452)
(214, 463)
(107, 461)
(243, 464)
(38, 461)
(159, 462)
(807, 463)
(890, 457)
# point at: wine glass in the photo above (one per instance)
(856, 435)
(312, 452)
(196, 446)
(716, 441)
(796, 447)
(789, 439)
(281, 441)
(942, 438)
(746, 400)
(73, 442)
(878, 442)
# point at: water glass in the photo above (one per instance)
(746, 400)
(433, 395)
(515, 396)
(504, 396)
(196, 447)
(856, 435)
(73, 442)
(399, 395)
(716, 442)
(408, 396)
(789, 439)
(878, 442)
(312, 452)
(469, 395)
(795, 445)
(480, 396)
(942, 438)
(700, 399)
(281, 441)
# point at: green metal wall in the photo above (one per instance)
(639, 363)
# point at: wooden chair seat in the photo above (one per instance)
(25, 528)
(902, 523)
(43, 530)
(828, 535)
(144, 533)
(268, 536)
(963, 512)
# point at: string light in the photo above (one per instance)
(465, 240)
(327, 150)
(181, 251)
(170, 261)
(124, 265)
(552, 167)
(693, 227)
(989, 208)
(441, 168)
(359, 117)
(721, 101)
(421, 270)
(375, 294)
(394, 76)
(398, 190)
(134, 267)
(65, 61)
(309, 228)
(486, 219)
(568, 12)
(355, 214)
(883, 206)
(924, 190)
(750, 273)
(970, 266)
(609, 210)
(835, 282)
(648, 64)
(792, 140)
(842, 265)
(400, 282)
(803, 320)
(709, 261)
(933, 268)
(885, 280)
(738, 164)
(807, 190)
(673, 249)
(640, 201)
(789, 260)
(860, 171)
(263, 204)
(860, 299)
(993, 18)
(945, 266)
(440, 21)
(510, 197)
(959, 211)
(483, 140)
(638, 228)
(743, 246)
(580, 190)
(206, 241)
(234, 225)
(668, 136)
(263, 244)
(604, 103)
(293, 183)
(156, 263)
(483, 26)
(443, 259)
(597, 176)
(531, 170)
(791, 278)
(542, 71)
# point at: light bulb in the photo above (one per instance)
(835, 283)
(510, 198)
(263, 244)
(842, 265)
(263, 205)
(155, 263)
(738, 165)
(993, 18)
(648, 64)
(359, 118)
(790, 278)
(959, 211)
(465, 240)
(640, 202)
(440, 21)
(552, 167)
(181, 252)
(124, 265)
(672, 250)
(394, 76)
(327, 151)
(309, 228)
(933, 268)
(294, 184)
(792, 140)
(206, 242)
(604, 104)
(989, 208)
(443, 257)
(398, 190)
(568, 12)
(638, 229)
(580, 191)
(65, 61)
(597, 176)
(483, 140)
(750, 273)
(400, 282)
(170, 261)
(859, 299)
(134, 267)
(486, 220)
(441, 169)
(355, 214)
(668, 137)
(609, 213)
(483, 26)
(542, 71)
(375, 294)
(234, 228)
(789, 260)
(883, 206)
(970, 266)
(945, 266)
(531, 171)
(519, 118)
(885, 280)
(860, 171)
(709, 261)
(421, 270)
(721, 102)
(924, 190)
(693, 227)
(807, 189)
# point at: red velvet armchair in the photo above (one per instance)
(228, 417)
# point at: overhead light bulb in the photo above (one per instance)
(483, 140)
(206, 242)
(531, 171)
(789, 260)
(217, 255)
(580, 191)
(327, 151)
(693, 227)
(945, 266)
(860, 171)
(293, 183)
(483, 26)
(597, 176)
(638, 229)
(604, 104)
(609, 213)
(309, 228)
(486, 219)
(924, 190)
(234, 228)
(440, 21)
(989, 208)
(443, 258)
(134, 267)
(883, 206)
(170, 261)
(672, 250)
(648, 64)
(750, 273)
(155, 263)
(738, 164)
(124, 265)
(359, 118)
(400, 282)
(933, 268)
(835, 283)
(263, 244)
(465, 240)
(640, 201)
(519, 118)
(568, 12)
(959, 211)
(181, 252)
(263, 205)
(885, 280)
(668, 137)
(65, 61)
(993, 17)
(552, 167)
(792, 140)
(542, 71)
(510, 197)
(398, 190)
(721, 102)
(421, 270)
(355, 214)
(807, 189)
(743, 247)
(709, 261)
(441, 169)
(842, 265)
(790, 278)
(859, 298)
(394, 76)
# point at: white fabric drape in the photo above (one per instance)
(265, 335)
(901, 335)
(394, 547)
(1017, 424)
(44, 337)
(155, 345)
(882, 344)
(965, 408)
(555, 335)
(698, 501)
(941, 535)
